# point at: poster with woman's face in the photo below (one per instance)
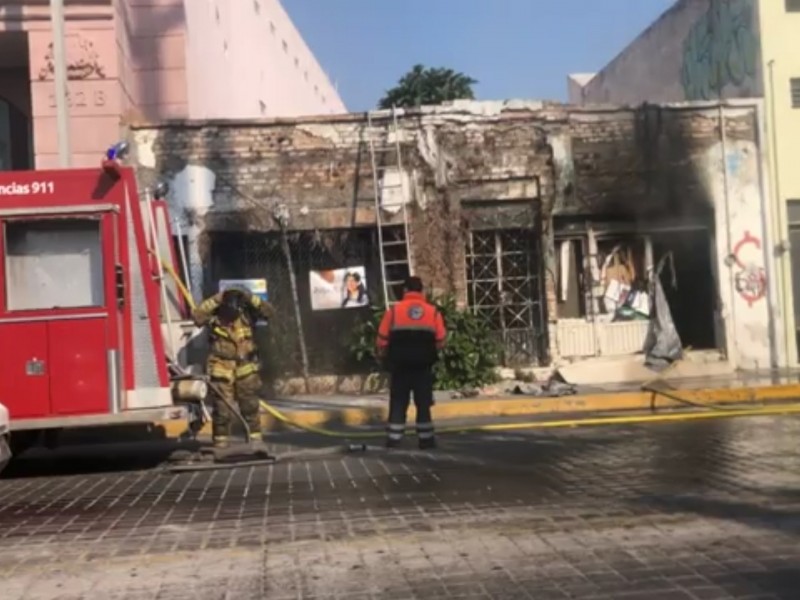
(338, 288)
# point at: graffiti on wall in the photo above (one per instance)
(722, 50)
(750, 277)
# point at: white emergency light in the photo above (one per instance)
(161, 190)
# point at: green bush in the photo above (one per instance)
(467, 361)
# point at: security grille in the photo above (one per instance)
(504, 287)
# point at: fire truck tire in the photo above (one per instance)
(20, 441)
(51, 438)
(5, 452)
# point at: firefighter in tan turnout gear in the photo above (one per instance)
(233, 363)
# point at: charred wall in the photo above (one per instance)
(647, 163)
(632, 164)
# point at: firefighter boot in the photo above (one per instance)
(221, 442)
(259, 446)
(427, 443)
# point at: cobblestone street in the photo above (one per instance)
(691, 511)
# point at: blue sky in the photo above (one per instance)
(514, 48)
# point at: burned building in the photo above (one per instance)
(546, 219)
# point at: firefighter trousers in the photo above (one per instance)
(244, 393)
(406, 382)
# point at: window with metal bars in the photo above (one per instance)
(794, 85)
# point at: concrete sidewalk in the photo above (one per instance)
(338, 411)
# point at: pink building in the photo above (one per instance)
(149, 59)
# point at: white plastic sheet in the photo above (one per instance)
(663, 344)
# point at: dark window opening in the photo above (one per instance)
(608, 280)
(792, 5)
(692, 301)
(604, 281)
(15, 138)
(795, 91)
(327, 330)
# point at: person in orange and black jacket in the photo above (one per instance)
(409, 339)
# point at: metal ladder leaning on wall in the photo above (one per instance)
(394, 242)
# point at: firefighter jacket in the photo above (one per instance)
(233, 353)
(411, 333)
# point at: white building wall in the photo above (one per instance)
(247, 60)
(670, 61)
(734, 171)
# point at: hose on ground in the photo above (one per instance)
(711, 410)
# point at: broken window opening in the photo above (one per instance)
(619, 273)
(614, 282)
(693, 300)
(603, 277)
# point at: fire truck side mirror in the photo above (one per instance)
(120, 283)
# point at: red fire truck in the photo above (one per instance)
(90, 323)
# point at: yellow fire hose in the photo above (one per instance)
(711, 412)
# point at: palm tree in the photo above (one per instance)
(423, 85)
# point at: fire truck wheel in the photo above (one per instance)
(22, 440)
(51, 438)
(5, 452)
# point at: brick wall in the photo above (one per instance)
(321, 168)
(636, 164)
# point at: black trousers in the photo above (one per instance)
(406, 382)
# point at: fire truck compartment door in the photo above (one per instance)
(78, 365)
(60, 310)
(24, 382)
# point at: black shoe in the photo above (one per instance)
(393, 443)
(427, 444)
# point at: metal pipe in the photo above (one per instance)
(60, 81)
(287, 252)
(182, 252)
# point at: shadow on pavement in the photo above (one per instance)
(80, 459)
(781, 583)
(756, 514)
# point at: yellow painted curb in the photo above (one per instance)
(516, 406)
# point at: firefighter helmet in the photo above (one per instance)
(233, 303)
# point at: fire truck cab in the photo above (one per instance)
(89, 321)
